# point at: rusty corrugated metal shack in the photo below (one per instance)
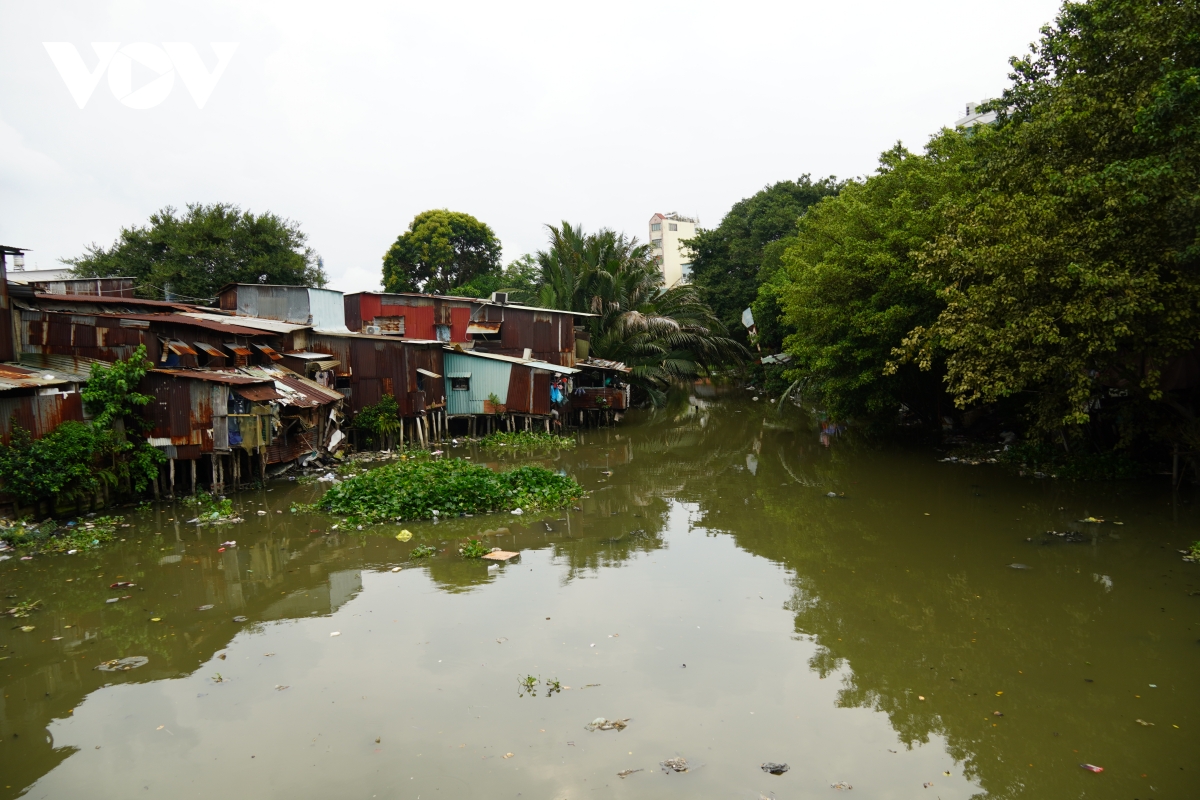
(494, 326)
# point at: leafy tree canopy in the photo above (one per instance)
(1071, 262)
(847, 285)
(521, 276)
(727, 259)
(440, 251)
(190, 256)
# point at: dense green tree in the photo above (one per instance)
(190, 256)
(1071, 262)
(727, 259)
(440, 251)
(664, 335)
(521, 276)
(847, 284)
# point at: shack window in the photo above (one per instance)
(420, 382)
(460, 384)
(390, 324)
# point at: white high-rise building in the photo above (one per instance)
(667, 232)
(975, 117)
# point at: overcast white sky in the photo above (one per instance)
(353, 117)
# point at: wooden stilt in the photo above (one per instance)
(195, 489)
(171, 467)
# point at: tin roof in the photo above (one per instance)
(302, 354)
(483, 301)
(296, 390)
(100, 300)
(603, 364)
(254, 324)
(258, 394)
(74, 367)
(528, 362)
(212, 375)
(14, 376)
(209, 322)
(213, 351)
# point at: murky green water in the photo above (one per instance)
(708, 590)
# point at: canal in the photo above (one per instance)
(917, 634)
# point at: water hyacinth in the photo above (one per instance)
(414, 489)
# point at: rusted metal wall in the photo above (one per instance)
(170, 412)
(422, 313)
(615, 399)
(376, 365)
(38, 414)
(541, 393)
(90, 287)
(109, 338)
(428, 357)
(519, 385)
(291, 447)
(550, 335)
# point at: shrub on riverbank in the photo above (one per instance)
(415, 489)
(526, 439)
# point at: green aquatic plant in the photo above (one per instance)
(527, 685)
(48, 537)
(209, 507)
(553, 686)
(422, 551)
(418, 489)
(474, 549)
(22, 609)
(526, 440)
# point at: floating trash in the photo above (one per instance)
(123, 664)
(773, 768)
(207, 607)
(239, 619)
(625, 773)
(678, 764)
(602, 724)
(404, 535)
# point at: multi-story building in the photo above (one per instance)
(667, 234)
(975, 117)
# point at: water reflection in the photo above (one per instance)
(897, 587)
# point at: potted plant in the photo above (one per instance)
(493, 405)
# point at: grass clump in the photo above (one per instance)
(526, 440)
(415, 489)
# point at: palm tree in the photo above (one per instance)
(663, 334)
